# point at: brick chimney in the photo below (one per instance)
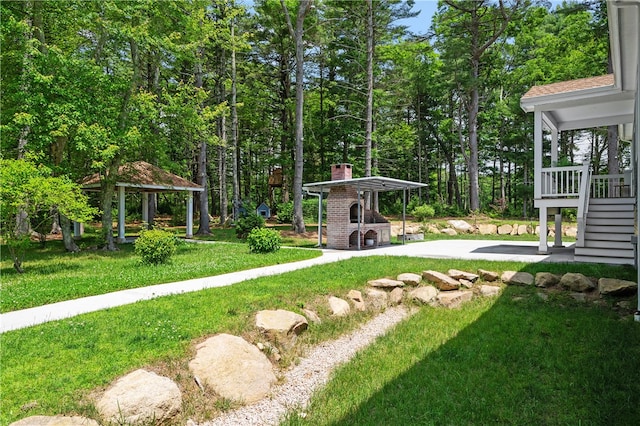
(341, 171)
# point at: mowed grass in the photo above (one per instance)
(513, 360)
(59, 364)
(52, 275)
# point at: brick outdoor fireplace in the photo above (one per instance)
(349, 225)
(346, 222)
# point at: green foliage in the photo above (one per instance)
(285, 212)
(423, 212)
(245, 224)
(29, 192)
(264, 240)
(155, 246)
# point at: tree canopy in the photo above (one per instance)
(207, 89)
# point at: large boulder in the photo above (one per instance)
(489, 290)
(432, 229)
(523, 230)
(546, 279)
(385, 283)
(281, 321)
(395, 296)
(449, 231)
(140, 397)
(462, 275)
(378, 298)
(410, 279)
(517, 278)
(488, 275)
(460, 226)
(426, 294)
(505, 229)
(233, 368)
(312, 316)
(572, 231)
(616, 287)
(487, 229)
(339, 307)
(454, 299)
(443, 282)
(55, 421)
(356, 297)
(576, 282)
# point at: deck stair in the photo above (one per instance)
(608, 231)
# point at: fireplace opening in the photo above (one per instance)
(353, 213)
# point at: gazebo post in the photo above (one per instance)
(320, 218)
(121, 214)
(190, 214)
(145, 209)
(404, 214)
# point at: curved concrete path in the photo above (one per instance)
(451, 249)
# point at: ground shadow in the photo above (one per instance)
(564, 365)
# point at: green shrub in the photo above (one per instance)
(264, 240)
(245, 224)
(155, 246)
(285, 212)
(423, 212)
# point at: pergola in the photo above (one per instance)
(145, 178)
(371, 184)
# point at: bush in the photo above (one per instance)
(423, 212)
(285, 212)
(245, 224)
(155, 246)
(264, 240)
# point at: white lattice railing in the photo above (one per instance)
(610, 186)
(561, 182)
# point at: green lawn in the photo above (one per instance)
(560, 346)
(514, 360)
(52, 275)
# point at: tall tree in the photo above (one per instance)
(297, 33)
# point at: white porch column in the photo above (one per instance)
(554, 148)
(189, 214)
(543, 247)
(145, 209)
(121, 211)
(558, 230)
(537, 155)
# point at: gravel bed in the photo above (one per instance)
(312, 372)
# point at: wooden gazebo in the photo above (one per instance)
(145, 178)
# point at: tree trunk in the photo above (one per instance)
(613, 165)
(234, 130)
(203, 180)
(108, 189)
(67, 234)
(369, 107)
(297, 33)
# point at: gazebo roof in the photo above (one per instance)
(373, 183)
(143, 177)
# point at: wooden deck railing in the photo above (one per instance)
(610, 186)
(561, 182)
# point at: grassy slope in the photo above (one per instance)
(59, 363)
(516, 360)
(53, 275)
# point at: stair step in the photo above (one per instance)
(610, 207)
(610, 221)
(625, 200)
(599, 252)
(604, 244)
(603, 236)
(620, 214)
(608, 260)
(609, 229)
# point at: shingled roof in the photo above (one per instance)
(143, 176)
(570, 86)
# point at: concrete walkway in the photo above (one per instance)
(446, 249)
